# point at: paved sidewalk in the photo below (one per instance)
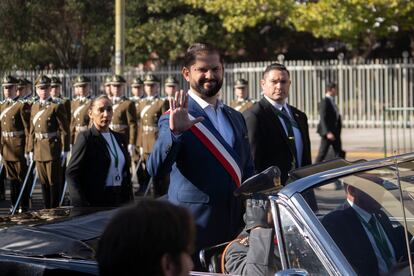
(359, 143)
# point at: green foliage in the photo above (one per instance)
(236, 15)
(161, 30)
(79, 33)
(359, 23)
(55, 31)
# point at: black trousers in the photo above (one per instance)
(324, 148)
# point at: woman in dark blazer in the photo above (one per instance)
(98, 172)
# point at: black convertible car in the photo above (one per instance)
(63, 241)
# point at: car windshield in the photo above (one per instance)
(363, 214)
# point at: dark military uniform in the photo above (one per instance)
(49, 138)
(124, 119)
(80, 111)
(14, 126)
(252, 253)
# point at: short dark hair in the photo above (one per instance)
(139, 235)
(198, 49)
(275, 66)
(330, 86)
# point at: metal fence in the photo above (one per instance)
(398, 130)
(366, 87)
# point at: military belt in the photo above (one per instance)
(118, 127)
(150, 128)
(46, 135)
(81, 128)
(12, 133)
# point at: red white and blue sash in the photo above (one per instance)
(210, 141)
(218, 150)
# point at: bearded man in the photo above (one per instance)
(204, 146)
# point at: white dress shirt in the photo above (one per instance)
(296, 131)
(217, 117)
(382, 265)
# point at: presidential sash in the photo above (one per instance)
(210, 141)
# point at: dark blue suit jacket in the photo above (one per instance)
(198, 181)
(349, 235)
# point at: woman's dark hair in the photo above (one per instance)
(137, 237)
(94, 100)
(199, 49)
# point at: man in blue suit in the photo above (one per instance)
(204, 146)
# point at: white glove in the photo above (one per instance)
(1, 158)
(63, 156)
(31, 156)
(141, 151)
(131, 149)
(27, 157)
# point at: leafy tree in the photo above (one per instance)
(237, 15)
(358, 23)
(161, 30)
(66, 33)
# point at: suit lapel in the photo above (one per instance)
(100, 141)
(359, 233)
(229, 114)
(386, 225)
(273, 120)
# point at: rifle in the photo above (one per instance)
(29, 171)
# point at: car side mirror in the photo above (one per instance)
(292, 272)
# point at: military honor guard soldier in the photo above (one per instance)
(108, 80)
(124, 120)
(242, 101)
(171, 86)
(149, 112)
(48, 141)
(79, 107)
(14, 125)
(56, 94)
(137, 89)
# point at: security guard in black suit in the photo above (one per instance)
(330, 124)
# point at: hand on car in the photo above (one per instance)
(256, 212)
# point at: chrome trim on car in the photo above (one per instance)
(305, 183)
